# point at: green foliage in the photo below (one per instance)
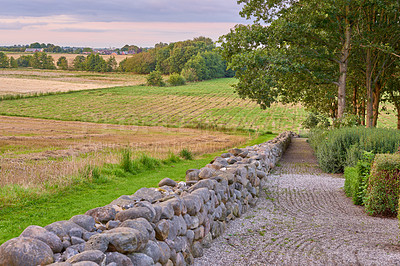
(24, 61)
(172, 158)
(189, 74)
(356, 178)
(316, 120)
(96, 63)
(4, 63)
(206, 65)
(79, 63)
(348, 120)
(62, 63)
(338, 148)
(41, 60)
(176, 80)
(186, 154)
(13, 62)
(142, 63)
(382, 196)
(155, 79)
(111, 64)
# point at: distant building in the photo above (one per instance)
(33, 50)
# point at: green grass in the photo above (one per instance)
(96, 187)
(210, 105)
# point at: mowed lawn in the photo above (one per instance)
(209, 105)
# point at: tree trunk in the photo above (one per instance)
(343, 71)
(362, 113)
(377, 97)
(355, 109)
(370, 92)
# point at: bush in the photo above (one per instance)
(356, 178)
(338, 148)
(155, 79)
(189, 74)
(176, 80)
(315, 120)
(382, 195)
(186, 154)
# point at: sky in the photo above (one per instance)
(114, 23)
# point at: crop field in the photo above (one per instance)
(210, 104)
(70, 57)
(37, 151)
(31, 81)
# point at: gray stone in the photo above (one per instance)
(87, 235)
(193, 204)
(173, 230)
(206, 173)
(165, 252)
(124, 201)
(140, 259)
(179, 260)
(62, 228)
(177, 205)
(199, 232)
(153, 250)
(235, 151)
(148, 194)
(190, 236)
(125, 239)
(51, 239)
(76, 240)
(69, 253)
(158, 210)
(162, 230)
(118, 258)
(85, 263)
(192, 222)
(66, 244)
(192, 175)
(141, 225)
(197, 249)
(180, 224)
(188, 257)
(226, 155)
(136, 212)
(25, 251)
(85, 221)
(91, 255)
(60, 264)
(112, 224)
(76, 232)
(167, 182)
(169, 263)
(180, 244)
(167, 210)
(97, 242)
(204, 193)
(207, 240)
(102, 214)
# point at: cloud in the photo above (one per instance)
(128, 10)
(77, 30)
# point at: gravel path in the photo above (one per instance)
(304, 218)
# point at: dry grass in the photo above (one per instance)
(34, 152)
(29, 81)
(70, 57)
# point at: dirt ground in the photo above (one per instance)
(36, 150)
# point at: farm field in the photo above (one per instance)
(31, 81)
(36, 152)
(210, 104)
(70, 57)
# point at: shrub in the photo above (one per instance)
(148, 163)
(186, 154)
(382, 195)
(356, 178)
(172, 158)
(338, 148)
(189, 74)
(155, 79)
(315, 120)
(176, 80)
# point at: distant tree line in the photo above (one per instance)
(194, 59)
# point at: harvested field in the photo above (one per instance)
(70, 57)
(36, 151)
(30, 81)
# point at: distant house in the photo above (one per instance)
(33, 50)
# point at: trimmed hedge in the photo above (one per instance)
(338, 148)
(382, 195)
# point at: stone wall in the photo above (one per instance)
(169, 225)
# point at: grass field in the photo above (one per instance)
(210, 104)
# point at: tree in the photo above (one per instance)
(111, 64)
(96, 63)
(42, 61)
(4, 63)
(62, 63)
(13, 62)
(24, 60)
(79, 63)
(142, 63)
